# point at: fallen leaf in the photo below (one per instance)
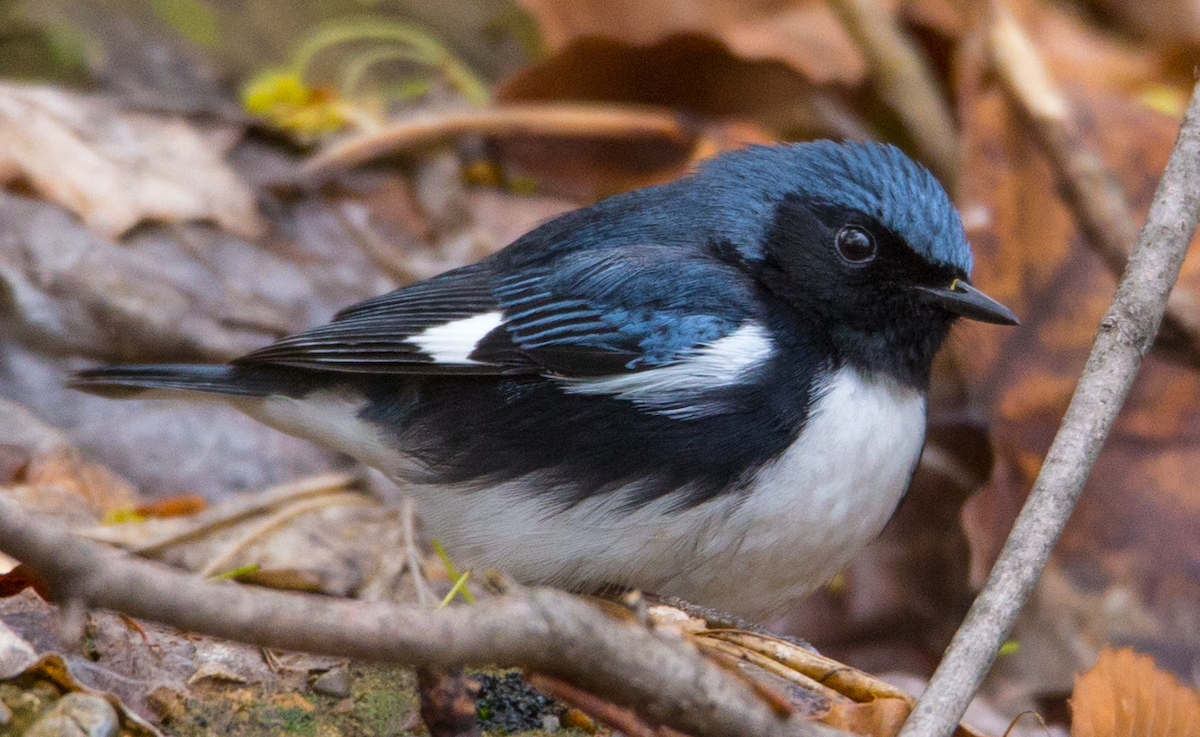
(175, 506)
(167, 703)
(17, 580)
(1126, 562)
(726, 102)
(13, 461)
(65, 470)
(1171, 21)
(804, 35)
(56, 479)
(217, 672)
(878, 717)
(116, 168)
(292, 701)
(1125, 695)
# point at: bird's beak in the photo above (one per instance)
(963, 299)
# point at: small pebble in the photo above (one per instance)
(333, 683)
(5, 714)
(345, 706)
(551, 723)
(77, 715)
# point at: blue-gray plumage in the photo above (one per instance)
(712, 388)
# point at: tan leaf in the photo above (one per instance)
(1126, 695)
(878, 717)
(64, 471)
(116, 168)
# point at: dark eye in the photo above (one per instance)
(855, 244)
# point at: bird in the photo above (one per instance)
(712, 388)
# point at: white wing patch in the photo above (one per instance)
(678, 389)
(452, 342)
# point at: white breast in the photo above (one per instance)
(748, 554)
(751, 553)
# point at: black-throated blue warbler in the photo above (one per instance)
(713, 388)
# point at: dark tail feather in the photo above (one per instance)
(130, 381)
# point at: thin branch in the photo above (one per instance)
(906, 83)
(548, 119)
(1095, 196)
(657, 673)
(1122, 340)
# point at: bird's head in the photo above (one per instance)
(858, 239)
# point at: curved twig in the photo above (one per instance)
(548, 119)
(657, 673)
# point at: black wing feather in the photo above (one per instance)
(373, 336)
(588, 313)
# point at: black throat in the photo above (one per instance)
(867, 317)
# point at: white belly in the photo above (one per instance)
(748, 553)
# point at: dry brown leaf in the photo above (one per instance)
(314, 534)
(835, 694)
(65, 470)
(1125, 695)
(175, 506)
(1029, 256)
(877, 718)
(55, 479)
(1172, 21)
(805, 35)
(1125, 565)
(725, 101)
(292, 701)
(190, 292)
(689, 72)
(18, 579)
(116, 168)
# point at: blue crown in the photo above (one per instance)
(876, 179)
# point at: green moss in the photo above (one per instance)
(295, 720)
(385, 698)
